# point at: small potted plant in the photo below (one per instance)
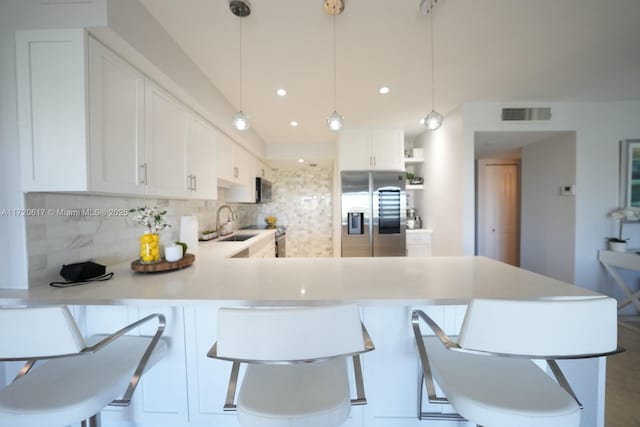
(409, 176)
(618, 244)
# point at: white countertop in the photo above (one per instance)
(296, 281)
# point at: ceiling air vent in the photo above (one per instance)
(526, 114)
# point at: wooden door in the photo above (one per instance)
(499, 224)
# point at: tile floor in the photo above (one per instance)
(623, 380)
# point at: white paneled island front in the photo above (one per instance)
(188, 389)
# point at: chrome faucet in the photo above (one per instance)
(218, 226)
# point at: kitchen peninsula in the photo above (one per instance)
(188, 389)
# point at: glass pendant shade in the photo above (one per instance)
(240, 121)
(334, 121)
(433, 120)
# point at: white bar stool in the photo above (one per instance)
(488, 375)
(76, 381)
(296, 358)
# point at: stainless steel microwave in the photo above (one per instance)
(263, 190)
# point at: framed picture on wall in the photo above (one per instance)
(630, 173)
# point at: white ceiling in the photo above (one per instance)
(485, 50)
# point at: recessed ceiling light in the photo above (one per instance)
(300, 160)
(383, 90)
(281, 92)
(294, 123)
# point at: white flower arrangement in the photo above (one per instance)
(152, 218)
(622, 215)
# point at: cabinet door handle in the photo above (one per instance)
(195, 183)
(189, 182)
(236, 172)
(374, 160)
(144, 173)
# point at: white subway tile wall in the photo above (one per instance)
(73, 228)
(302, 201)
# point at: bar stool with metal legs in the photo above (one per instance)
(74, 382)
(488, 375)
(297, 373)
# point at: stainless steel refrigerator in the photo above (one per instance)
(373, 218)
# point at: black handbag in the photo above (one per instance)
(82, 273)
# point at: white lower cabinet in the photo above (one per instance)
(392, 370)
(187, 388)
(265, 248)
(208, 378)
(161, 396)
(419, 243)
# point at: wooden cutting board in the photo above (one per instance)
(163, 265)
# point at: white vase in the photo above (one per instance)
(618, 246)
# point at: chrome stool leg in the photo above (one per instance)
(94, 421)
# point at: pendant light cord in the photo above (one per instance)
(335, 102)
(433, 89)
(240, 18)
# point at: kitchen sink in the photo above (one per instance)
(237, 238)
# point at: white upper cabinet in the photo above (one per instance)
(52, 120)
(166, 143)
(355, 149)
(89, 121)
(387, 149)
(224, 159)
(116, 96)
(367, 149)
(244, 189)
(236, 171)
(265, 171)
(202, 177)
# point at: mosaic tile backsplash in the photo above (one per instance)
(90, 227)
(302, 201)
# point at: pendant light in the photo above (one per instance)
(241, 9)
(433, 120)
(333, 8)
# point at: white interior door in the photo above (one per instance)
(499, 202)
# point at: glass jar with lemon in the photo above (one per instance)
(149, 248)
(153, 219)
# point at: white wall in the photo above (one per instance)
(599, 127)
(13, 250)
(448, 197)
(38, 14)
(547, 244)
